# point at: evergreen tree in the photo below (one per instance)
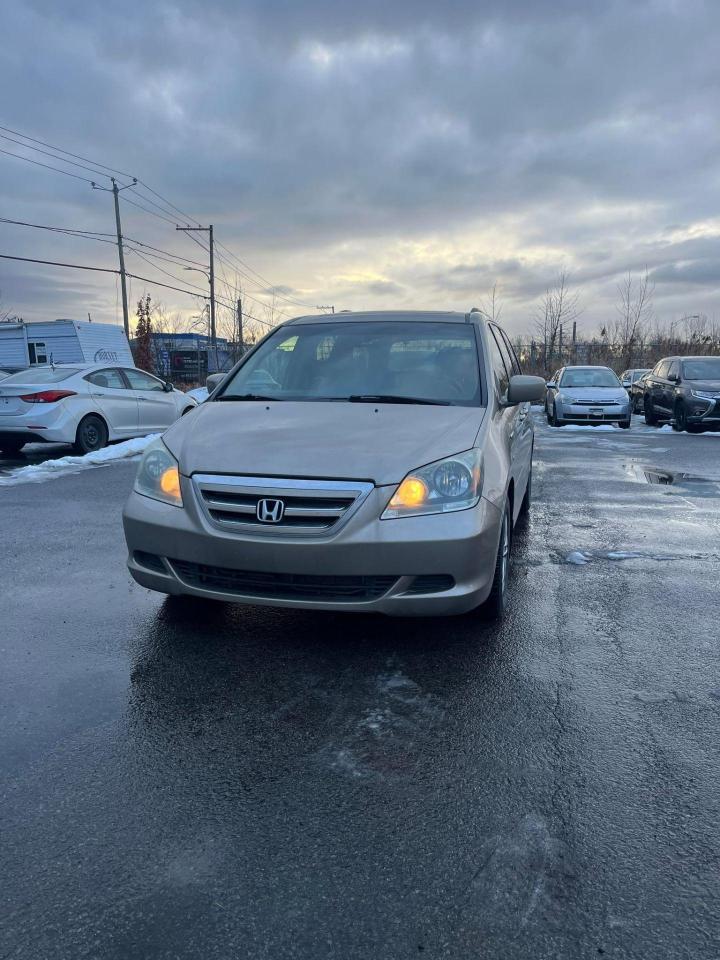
(143, 336)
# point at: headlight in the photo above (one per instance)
(158, 475)
(703, 395)
(441, 487)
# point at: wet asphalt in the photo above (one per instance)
(251, 783)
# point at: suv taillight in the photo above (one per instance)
(47, 396)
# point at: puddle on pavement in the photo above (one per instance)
(668, 478)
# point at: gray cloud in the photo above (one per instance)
(433, 148)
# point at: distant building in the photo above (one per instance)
(189, 357)
(24, 345)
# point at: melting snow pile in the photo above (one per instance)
(38, 472)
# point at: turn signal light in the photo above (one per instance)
(170, 483)
(47, 396)
(411, 493)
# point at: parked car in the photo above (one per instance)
(685, 390)
(585, 394)
(637, 392)
(200, 394)
(630, 377)
(87, 405)
(365, 462)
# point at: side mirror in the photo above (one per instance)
(550, 384)
(524, 389)
(673, 377)
(213, 380)
(168, 387)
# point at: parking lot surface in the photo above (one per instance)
(244, 782)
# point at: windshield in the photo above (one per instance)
(380, 361)
(589, 377)
(41, 375)
(708, 368)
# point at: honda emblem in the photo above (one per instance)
(270, 511)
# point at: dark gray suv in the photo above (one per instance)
(685, 390)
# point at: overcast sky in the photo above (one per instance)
(372, 154)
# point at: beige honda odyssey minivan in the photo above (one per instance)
(355, 461)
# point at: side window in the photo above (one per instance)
(501, 375)
(510, 351)
(142, 381)
(110, 379)
(674, 369)
(662, 369)
(38, 353)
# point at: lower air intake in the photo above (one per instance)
(282, 586)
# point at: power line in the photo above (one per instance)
(54, 156)
(42, 226)
(46, 165)
(151, 212)
(66, 152)
(55, 263)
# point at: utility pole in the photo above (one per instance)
(574, 342)
(240, 327)
(209, 231)
(560, 345)
(123, 283)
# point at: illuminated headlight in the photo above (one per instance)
(158, 475)
(703, 395)
(441, 487)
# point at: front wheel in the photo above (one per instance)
(554, 422)
(496, 603)
(650, 415)
(11, 446)
(624, 425)
(91, 435)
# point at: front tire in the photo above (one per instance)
(11, 446)
(527, 499)
(92, 435)
(496, 603)
(625, 425)
(555, 422)
(650, 416)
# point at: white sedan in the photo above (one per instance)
(87, 405)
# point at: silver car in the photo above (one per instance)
(366, 462)
(587, 394)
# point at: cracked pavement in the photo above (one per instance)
(273, 784)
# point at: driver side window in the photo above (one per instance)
(500, 371)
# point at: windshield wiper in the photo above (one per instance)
(393, 398)
(247, 396)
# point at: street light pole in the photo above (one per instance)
(209, 231)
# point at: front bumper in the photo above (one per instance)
(175, 551)
(595, 413)
(700, 410)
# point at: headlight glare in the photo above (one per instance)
(158, 475)
(441, 487)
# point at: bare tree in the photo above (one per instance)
(492, 305)
(635, 312)
(558, 307)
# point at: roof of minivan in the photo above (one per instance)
(422, 316)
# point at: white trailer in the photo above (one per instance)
(24, 345)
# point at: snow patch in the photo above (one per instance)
(578, 558)
(39, 472)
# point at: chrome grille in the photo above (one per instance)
(594, 403)
(309, 507)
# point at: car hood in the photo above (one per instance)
(707, 386)
(601, 394)
(358, 441)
